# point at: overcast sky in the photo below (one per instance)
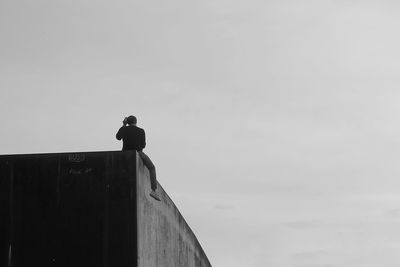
(274, 125)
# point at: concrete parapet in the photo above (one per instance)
(89, 210)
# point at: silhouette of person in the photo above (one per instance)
(134, 138)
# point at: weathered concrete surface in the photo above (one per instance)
(5, 219)
(68, 210)
(164, 237)
(89, 209)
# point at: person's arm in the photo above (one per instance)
(119, 133)
(142, 140)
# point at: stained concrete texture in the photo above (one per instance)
(164, 237)
(89, 209)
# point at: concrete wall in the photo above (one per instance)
(89, 209)
(164, 237)
(68, 210)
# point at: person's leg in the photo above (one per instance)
(152, 169)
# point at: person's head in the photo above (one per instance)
(131, 120)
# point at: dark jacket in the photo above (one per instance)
(133, 138)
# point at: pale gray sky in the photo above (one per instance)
(274, 125)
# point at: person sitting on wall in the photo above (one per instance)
(134, 138)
